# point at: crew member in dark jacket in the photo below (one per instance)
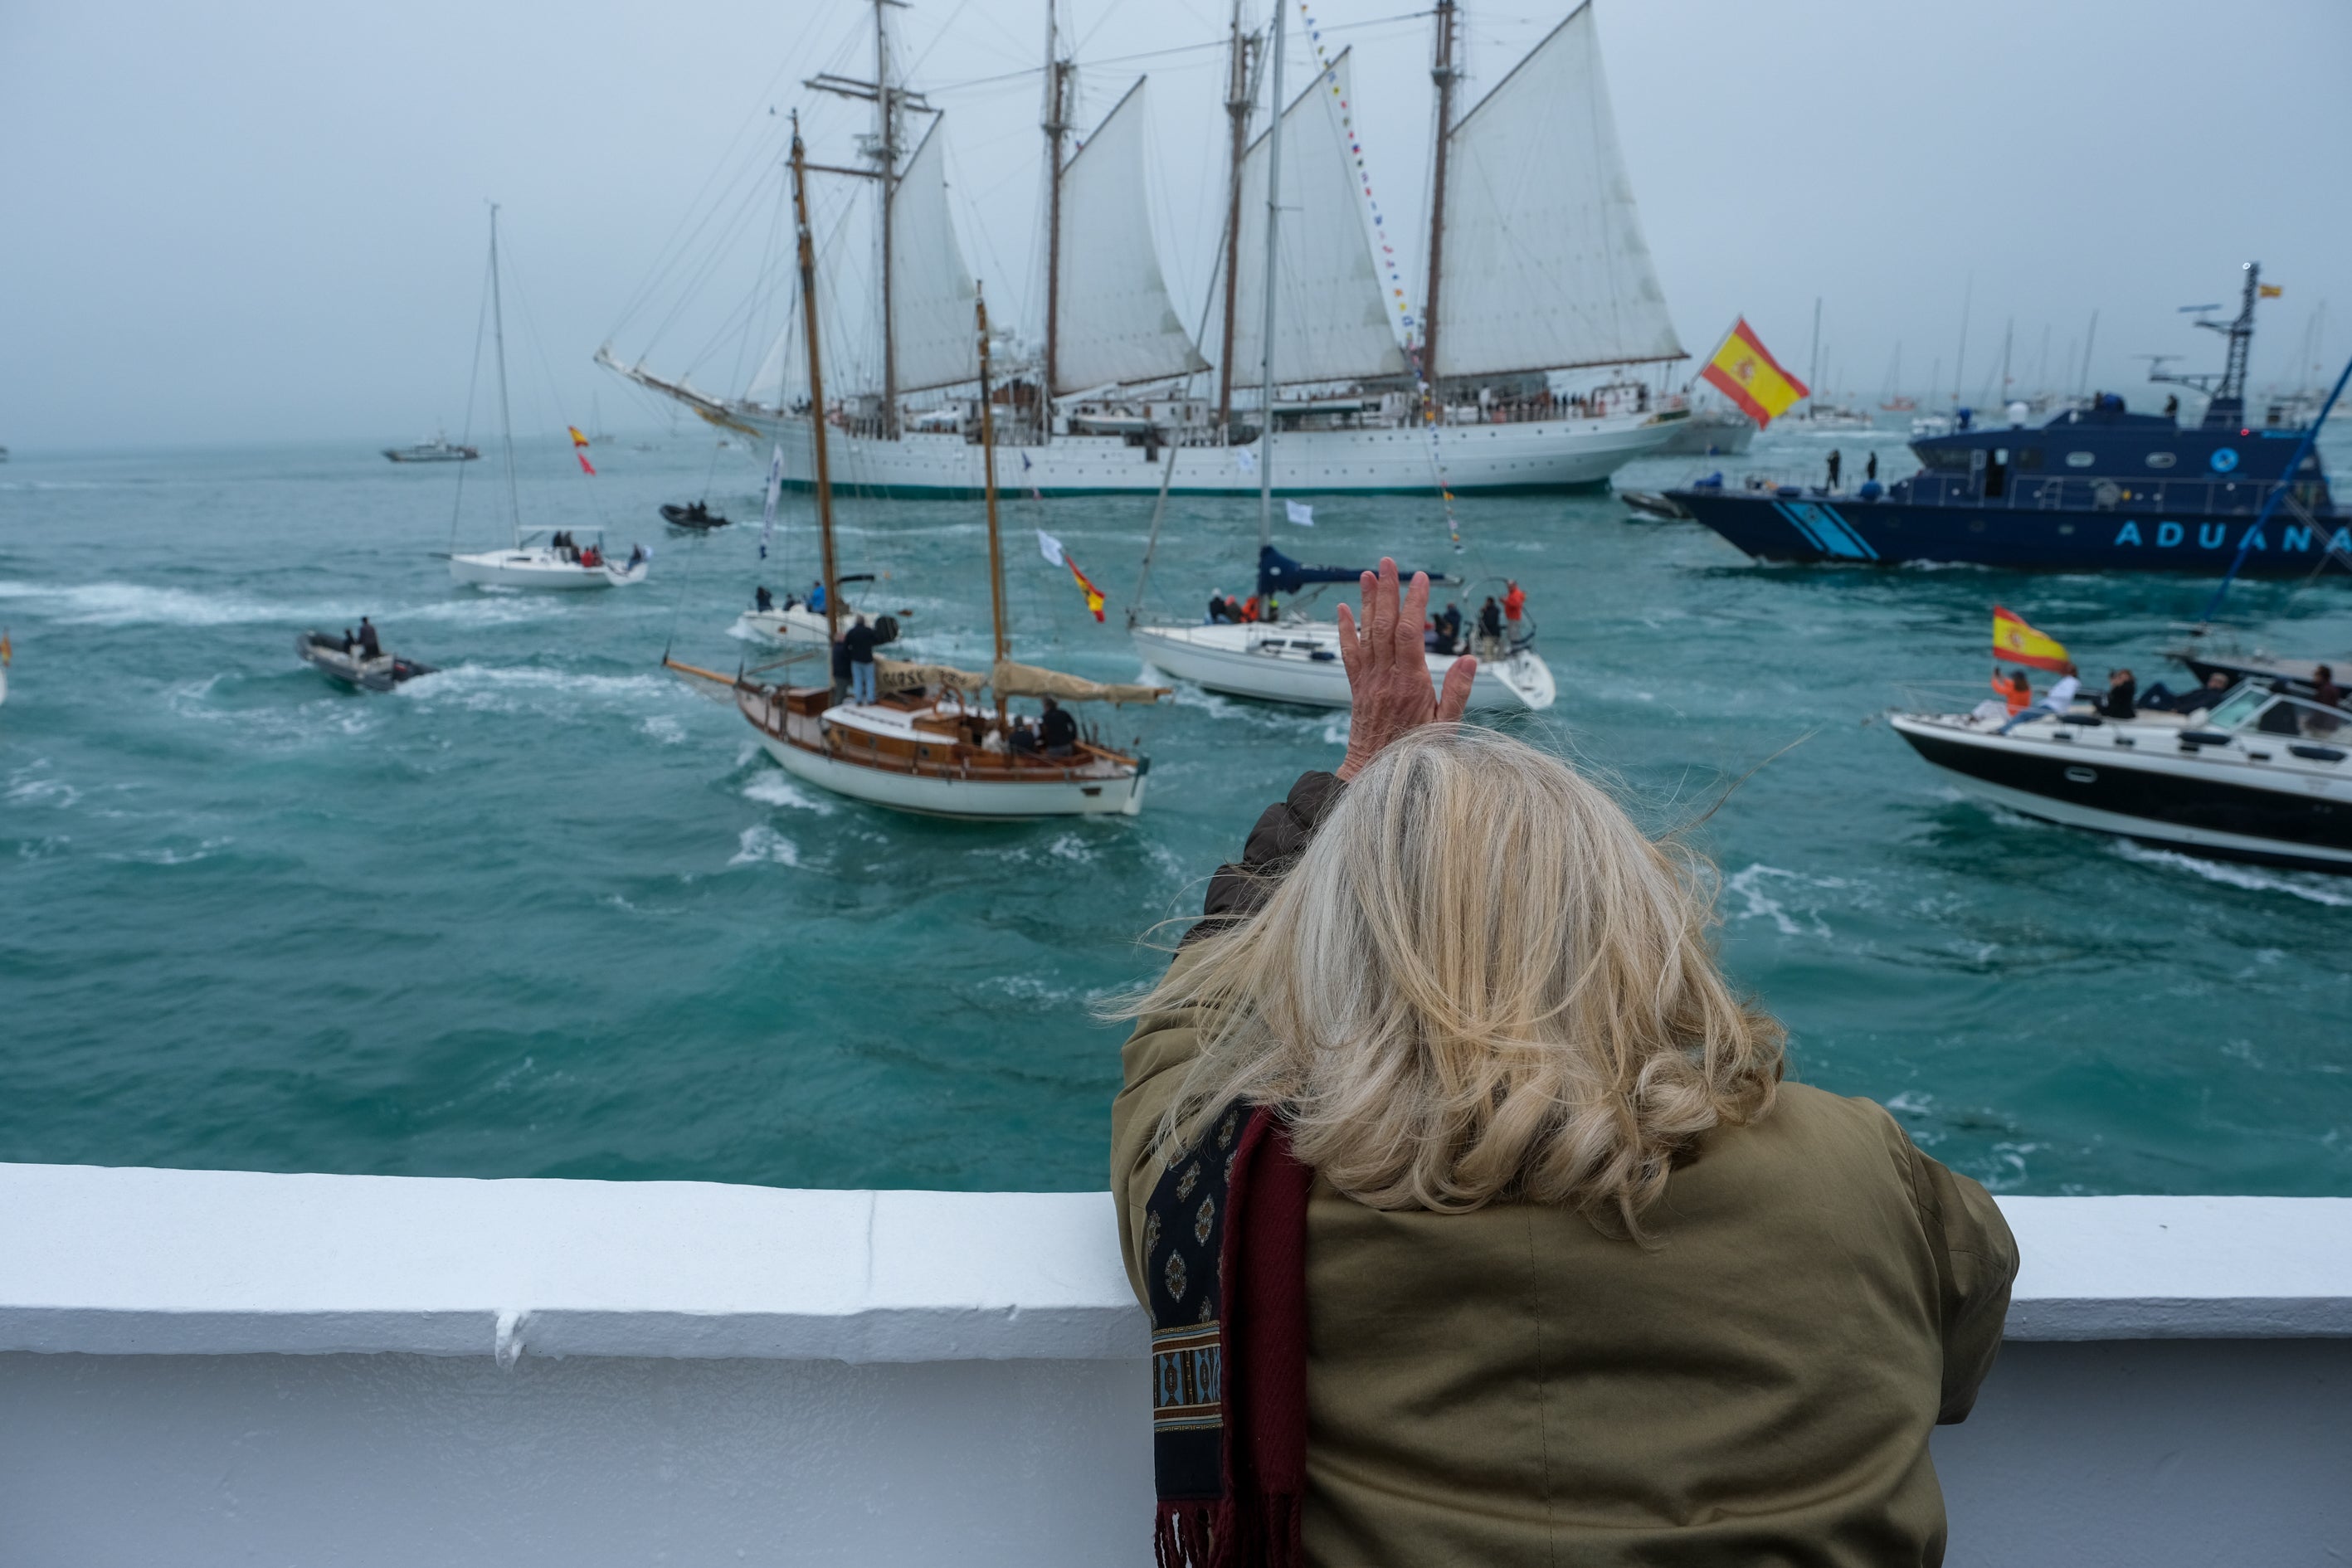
(1057, 730)
(859, 640)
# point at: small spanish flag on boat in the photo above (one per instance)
(580, 450)
(2015, 641)
(1746, 373)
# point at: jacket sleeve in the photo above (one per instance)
(1162, 1047)
(1976, 1261)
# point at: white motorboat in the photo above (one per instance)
(924, 743)
(537, 560)
(1299, 661)
(795, 625)
(2262, 776)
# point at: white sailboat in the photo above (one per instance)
(1533, 220)
(1292, 658)
(928, 744)
(541, 558)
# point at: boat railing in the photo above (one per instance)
(2188, 498)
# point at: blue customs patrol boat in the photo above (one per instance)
(2092, 488)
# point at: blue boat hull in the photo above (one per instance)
(1888, 532)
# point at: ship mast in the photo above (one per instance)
(816, 382)
(1057, 126)
(988, 484)
(1265, 332)
(1237, 110)
(886, 154)
(506, 418)
(1444, 73)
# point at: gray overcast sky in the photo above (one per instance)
(262, 220)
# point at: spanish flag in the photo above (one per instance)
(2015, 641)
(580, 450)
(1743, 371)
(1094, 594)
(2269, 291)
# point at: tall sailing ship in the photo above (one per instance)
(1534, 265)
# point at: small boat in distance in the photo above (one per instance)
(440, 449)
(694, 515)
(348, 667)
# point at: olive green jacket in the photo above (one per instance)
(1512, 1387)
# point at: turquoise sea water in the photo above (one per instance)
(549, 913)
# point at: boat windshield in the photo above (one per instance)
(2272, 713)
(2238, 708)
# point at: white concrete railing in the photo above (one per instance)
(379, 1369)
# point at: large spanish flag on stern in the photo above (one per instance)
(1746, 373)
(2013, 640)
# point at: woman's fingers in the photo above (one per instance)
(1409, 624)
(1379, 616)
(1454, 700)
(1351, 654)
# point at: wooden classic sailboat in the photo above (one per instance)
(1536, 265)
(930, 742)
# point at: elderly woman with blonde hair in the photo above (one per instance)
(1475, 1221)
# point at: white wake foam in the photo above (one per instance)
(762, 845)
(773, 788)
(2316, 886)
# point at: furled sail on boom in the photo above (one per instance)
(1539, 211)
(1116, 323)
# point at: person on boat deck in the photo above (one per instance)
(592, 556)
(1490, 625)
(1233, 609)
(840, 671)
(816, 596)
(1870, 469)
(2155, 698)
(1217, 602)
(1518, 1249)
(2057, 701)
(350, 643)
(1450, 623)
(762, 600)
(2117, 703)
(2016, 691)
(1837, 462)
(636, 554)
(2324, 689)
(1515, 603)
(859, 642)
(371, 646)
(1023, 739)
(1057, 731)
(1249, 610)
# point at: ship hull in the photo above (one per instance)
(1889, 533)
(1300, 662)
(930, 795)
(1530, 456)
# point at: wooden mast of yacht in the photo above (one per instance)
(816, 386)
(1237, 109)
(1265, 330)
(1443, 72)
(988, 484)
(1057, 126)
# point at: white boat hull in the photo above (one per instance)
(798, 626)
(1284, 663)
(975, 798)
(1535, 454)
(540, 570)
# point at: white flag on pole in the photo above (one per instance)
(1245, 459)
(1299, 512)
(775, 483)
(1049, 547)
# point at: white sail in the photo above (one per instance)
(1544, 265)
(1331, 319)
(931, 290)
(1116, 324)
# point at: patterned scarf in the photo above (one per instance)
(1226, 1257)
